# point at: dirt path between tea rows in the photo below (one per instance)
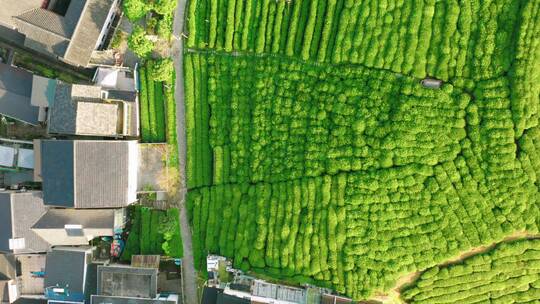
(407, 280)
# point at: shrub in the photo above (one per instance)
(139, 43)
(135, 9)
(164, 7)
(162, 69)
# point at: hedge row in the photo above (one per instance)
(170, 109)
(457, 177)
(198, 160)
(308, 168)
(446, 39)
(152, 103)
(510, 273)
(356, 233)
(274, 119)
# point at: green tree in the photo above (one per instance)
(139, 43)
(164, 7)
(135, 9)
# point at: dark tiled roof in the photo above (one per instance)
(25, 300)
(57, 165)
(87, 32)
(122, 95)
(63, 112)
(210, 294)
(15, 94)
(66, 267)
(6, 232)
(228, 299)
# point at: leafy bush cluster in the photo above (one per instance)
(152, 104)
(315, 155)
(446, 39)
(158, 106)
(274, 119)
(510, 273)
(153, 232)
(162, 19)
(139, 43)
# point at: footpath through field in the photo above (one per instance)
(404, 281)
(188, 269)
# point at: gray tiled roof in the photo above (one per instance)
(71, 114)
(95, 174)
(26, 208)
(15, 94)
(88, 31)
(101, 174)
(44, 19)
(88, 218)
(44, 41)
(73, 36)
(97, 118)
(63, 112)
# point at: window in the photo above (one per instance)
(15, 244)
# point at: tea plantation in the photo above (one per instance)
(508, 274)
(315, 154)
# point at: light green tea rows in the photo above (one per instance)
(315, 154)
(508, 274)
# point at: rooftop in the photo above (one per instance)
(77, 281)
(127, 300)
(19, 211)
(71, 32)
(16, 93)
(7, 266)
(31, 285)
(88, 218)
(91, 110)
(89, 174)
(126, 281)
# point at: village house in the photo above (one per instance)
(88, 174)
(69, 30)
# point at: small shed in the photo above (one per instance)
(432, 83)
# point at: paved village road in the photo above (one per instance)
(188, 271)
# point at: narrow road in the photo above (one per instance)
(188, 272)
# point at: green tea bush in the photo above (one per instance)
(314, 154)
(446, 39)
(510, 273)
